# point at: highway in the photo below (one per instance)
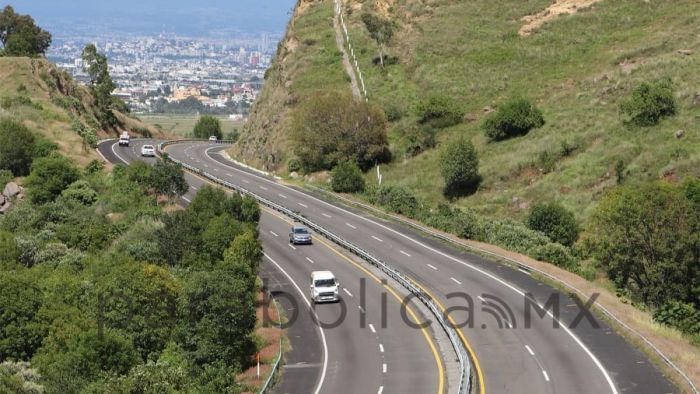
(510, 354)
(355, 353)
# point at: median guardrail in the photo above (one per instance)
(403, 280)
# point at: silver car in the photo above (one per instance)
(148, 151)
(299, 235)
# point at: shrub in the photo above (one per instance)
(459, 166)
(207, 126)
(43, 147)
(294, 165)
(516, 117)
(5, 177)
(420, 139)
(650, 102)
(16, 147)
(80, 192)
(8, 250)
(330, 128)
(398, 199)
(512, 235)
(553, 253)
(347, 178)
(555, 221)
(681, 315)
(439, 111)
(49, 177)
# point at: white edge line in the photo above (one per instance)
(320, 329)
(117, 154)
(415, 241)
(529, 350)
(546, 377)
(186, 199)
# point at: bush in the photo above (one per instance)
(516, 117)
(347, 178)
(511, 235)
(439, 111)
(459, 166)
(80, 192)
(398, 199)
(330, 128)
(682, 316)
(5, 177)
(554, 221)
(207, 126)
(16, 147)
(553, 253)
(420, 139)
(650, 102)
(49, 177)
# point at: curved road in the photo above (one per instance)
(514, 348)
(331, 352)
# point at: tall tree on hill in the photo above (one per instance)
(20, 36)
(208, 126)
(101, 84)
(380, 29)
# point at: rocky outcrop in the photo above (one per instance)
(11, 192)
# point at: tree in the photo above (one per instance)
(554, 221)
(8, 251)
(218, 235)
(168, 179)
(346, 177)
(330, 128)
(207, 126)
(380, 29)
(20, 300)
(459, 166)
(49, 177)
(647, 240)
(516, 117)
(650, 102)
(16, 147)
(20, 36)
(101, 85)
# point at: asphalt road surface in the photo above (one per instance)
(367, 349)
(512, 354)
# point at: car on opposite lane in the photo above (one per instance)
(148, 151)
(213, 138)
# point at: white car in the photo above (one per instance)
(148, 150)
(324, 287)
(213, 138)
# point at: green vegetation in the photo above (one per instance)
(380, 29)
(331, 128)
(101, 86)
(346, 177)
(439, 111)
(459, 166)
(650, 102)
(20, 36)
(85, 284)
(206, 127)
(554, 221)
(16, 147)
(515, 118)
(183, 125)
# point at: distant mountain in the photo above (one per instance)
(201, 18)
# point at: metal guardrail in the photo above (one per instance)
(464, 363)
(278, 361)
(523, 266)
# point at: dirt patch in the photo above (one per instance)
(560, 7)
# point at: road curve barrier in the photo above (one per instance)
(426, 299)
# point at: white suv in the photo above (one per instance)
(148, 150)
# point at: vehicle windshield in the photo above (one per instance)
(324, 283)
(300, 230)
(147, 147)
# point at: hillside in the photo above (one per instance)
(576, 67)
(49, 102)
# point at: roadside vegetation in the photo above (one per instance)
(144, 297)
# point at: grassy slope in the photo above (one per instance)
(307, 60)
(183, 125)
(22, 77)
(577, 68)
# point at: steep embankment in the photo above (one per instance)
(577, 67)
(48, 101)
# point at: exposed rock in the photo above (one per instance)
(523, 206)
(5, 208)
(679, 134)
(488, 109)
(685, 52)
(11, 190)
(294, 175)
(696, 99)
(2, 200)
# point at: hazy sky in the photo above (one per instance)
(191, 17)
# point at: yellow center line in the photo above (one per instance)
(426, 334)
